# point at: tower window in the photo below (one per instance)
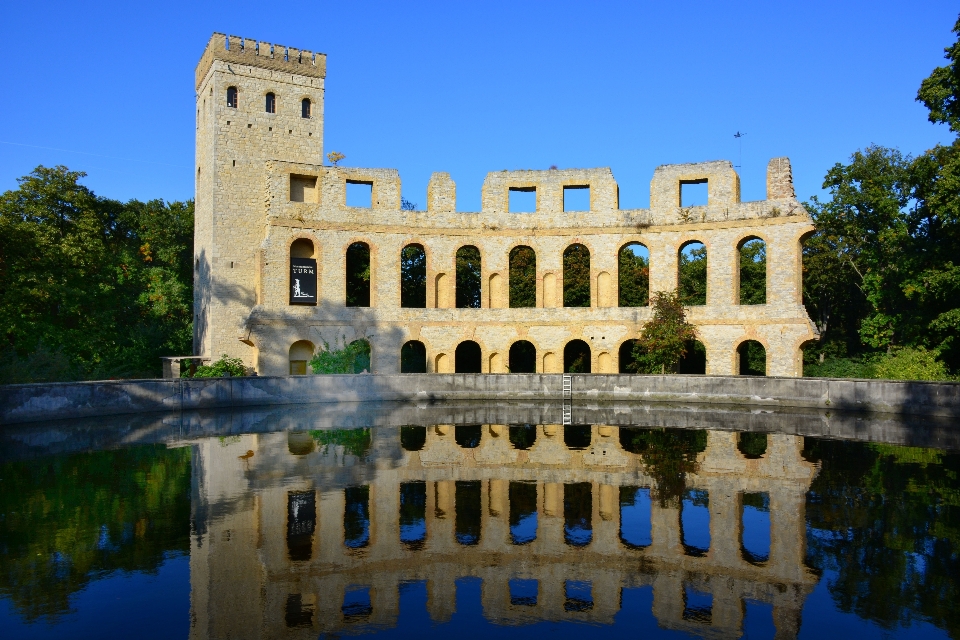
(305, 108)
(271, 103)
(232, 97)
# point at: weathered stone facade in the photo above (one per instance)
(261, 186)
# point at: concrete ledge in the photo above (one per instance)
(36, 402)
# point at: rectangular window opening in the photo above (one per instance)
(523, 199)
(303, 188)
(693, 193)
(576, 198)
(523, 593)
(359, 194)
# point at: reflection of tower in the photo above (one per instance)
(272, 551)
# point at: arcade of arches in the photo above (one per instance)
(536, 292)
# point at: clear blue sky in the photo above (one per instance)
(472, 87)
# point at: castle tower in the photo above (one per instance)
(256, 102)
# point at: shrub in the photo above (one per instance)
(222, 367)
(910, 364)
(351, 358)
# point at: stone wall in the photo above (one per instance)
(37, 402)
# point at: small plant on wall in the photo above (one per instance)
(224, 367)
(665, 339)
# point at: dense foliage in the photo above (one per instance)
(692, 275)
(413, 277)
(668, 456)
(634, 279)
(349, 358)
(355, 442)
(91, 287)
(753, 272)
(358, 275)
(523, 277)
(468, 278)
(882, 269)
(576, 276)
(70, 519)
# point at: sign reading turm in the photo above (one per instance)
(303, 281)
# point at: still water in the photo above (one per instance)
(477, 520)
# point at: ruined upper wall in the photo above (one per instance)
(265, 55)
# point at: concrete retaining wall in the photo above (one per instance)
(36, 402)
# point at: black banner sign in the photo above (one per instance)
(303, 281)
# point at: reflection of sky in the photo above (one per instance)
(525, 530)
(635, 520)
(756, 532)
(415, 532)
(695, 517)
(578, 534)
(524, 592)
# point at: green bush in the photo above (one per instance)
(899, 364)
(351, 358)
(222, 367)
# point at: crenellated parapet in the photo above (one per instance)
(276, 57)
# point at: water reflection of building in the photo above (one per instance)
(294, 538)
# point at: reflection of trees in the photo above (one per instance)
(522, 436)
(69, 519)
(354, 441)
(467, 505)
(667, 454)
(886, 519)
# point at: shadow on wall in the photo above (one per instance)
(285, 348)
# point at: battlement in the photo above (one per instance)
(276, 57)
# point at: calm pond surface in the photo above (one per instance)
(478, 521)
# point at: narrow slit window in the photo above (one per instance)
(305, 108)
(232, 97)
(271, 106)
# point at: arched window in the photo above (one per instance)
(305, 108)
(300, 354)
(692, 273)
(467, 357)
(523, 507)
(634, 275)
(358, 275)
(271, 106)
(695, 361)
(752, 444)
(356, 517)
(752, 359)
(413, 277)
(576, 276)
(413, 437)
(578, 514)
(523, 357)
(301, 523)
(413, 513)
(468, 278)
(468, 435)
(466, 522)
(576, 357)
(361, 356)
(628, 364)
(232, 97)
(523, 277)
(413, 357)
(753, 271)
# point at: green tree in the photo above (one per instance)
(576, 276)
(523, 277)
(665, 339)
(413, 277)
(692, 275)
(753, 272)
(92, 287)
(634, 278)
(468, 278)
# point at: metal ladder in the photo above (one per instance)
(567, 400)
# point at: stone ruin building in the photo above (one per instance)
(274, 236)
